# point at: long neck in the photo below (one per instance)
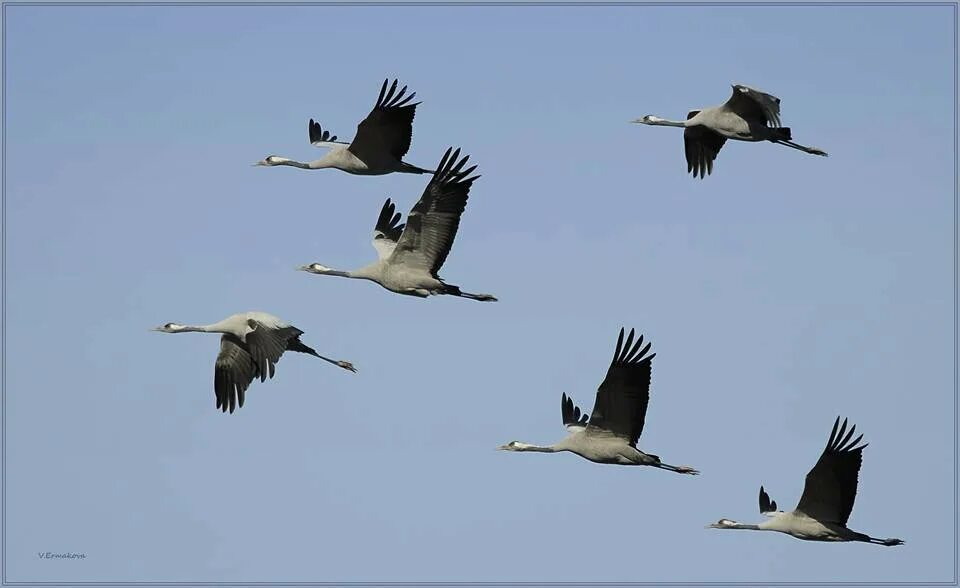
(662, 122)
(748, 527)
(294, 163)
(744, 526)
(372, 272)
(213, 328)
(227, 325)
(539, 448)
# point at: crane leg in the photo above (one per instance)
(804, 148)
(677, 469)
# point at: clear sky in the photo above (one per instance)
(780, 292)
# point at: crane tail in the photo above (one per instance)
(412, 169)
(298, 345)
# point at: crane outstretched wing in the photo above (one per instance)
(573, 420)
(701, 146)
(754, 105)
(831, 486)
(766, 505)
(266, 345)
(622, 398)
(387, 130)
(320, 137)
(432, 224)
(233, 373)
(387, 231)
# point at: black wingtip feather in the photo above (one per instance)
(571, 412)
(766, 505)
(450, 169)
(318, 134)
(630, 352)
(392, 99)
(840, 438)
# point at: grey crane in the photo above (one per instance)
(611, 433)
(381, 142)
(250, 346)
(410, 256)
(749, 115)
(827, 499)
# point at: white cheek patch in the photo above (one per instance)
(322, 268)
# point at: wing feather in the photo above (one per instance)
(386, 132)
(766, 505)
(831, 486)
(573, 419)
(754, 105)
(320, 137)
(388, 230)
(266, 345)
(433, 222)
(233, 373)
(621, 404)
(701, 146)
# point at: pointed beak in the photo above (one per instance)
(303, 268)
(259, 163)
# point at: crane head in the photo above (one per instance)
(271, 160)
(168, 328)
(723, 524)
(315, 268)
(648, 119)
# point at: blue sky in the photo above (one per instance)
(781, 291)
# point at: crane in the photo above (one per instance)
(381, 142)
(250, 346)
(610, 434)
(410, 255)
(827, 500)
(749, 115)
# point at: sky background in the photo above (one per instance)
(778, 293)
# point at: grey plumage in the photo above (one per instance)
(827, 500)
(610, 435)
(749, 115)
(410, 255)
(251, 344)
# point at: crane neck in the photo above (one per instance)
(747, 527)
(663, 122)
(295, 163)
(226, 326)
(538, 448)
(211, 328)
